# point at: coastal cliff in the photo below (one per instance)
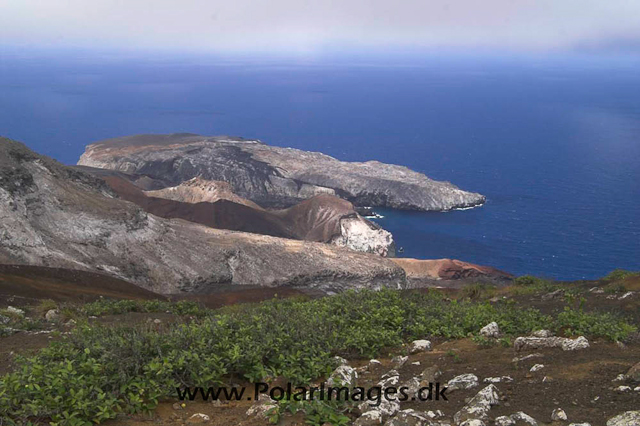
(58, 216)
(273, 176)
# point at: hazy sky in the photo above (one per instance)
(313, 25)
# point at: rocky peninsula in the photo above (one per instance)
(273, 176)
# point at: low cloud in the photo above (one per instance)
(295, 25)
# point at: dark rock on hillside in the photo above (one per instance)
(274, 176)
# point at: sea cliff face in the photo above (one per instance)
(274, 176)
(58, 216)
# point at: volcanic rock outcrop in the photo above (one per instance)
(198, 190)
(323, 218)
(428, 272)
(273, 176)
(58, 216)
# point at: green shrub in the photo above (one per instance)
(619, 275)
(478, 291)
(46, 305)
(527, 280)
(576, 322)
(104, 306)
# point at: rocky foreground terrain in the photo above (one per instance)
(273, 176)
(500, 376)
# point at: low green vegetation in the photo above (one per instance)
(98, 371)
(11, 321)
(620, 274)
(114, 307)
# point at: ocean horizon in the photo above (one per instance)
(552, 141)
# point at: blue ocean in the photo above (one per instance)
(552, 141)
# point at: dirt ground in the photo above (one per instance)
(26, 285)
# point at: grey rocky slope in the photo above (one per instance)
(53, 215)
(273, 176)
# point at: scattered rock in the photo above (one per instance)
(553, 295)
(629, 418)
(627, 294)
(386, 408)
(634, 373)
(344, 375)
(542, 333)
(575, 344)
(340, 361)
(16, 311)
(464, 381)
(178, 406)
(536, 368)
(370, 418)
(390, 378)
(579, 424)
(374, 363)
(415, 363)
(390, 373)
(52, 315)
(526, 357)
(620, 378)
(521, 417)
(558, 414)
(4, 320)
(434, 414)
(411, 417)
(490, 330)
(70, 323)
(503, 379)
(260, 409)
(551, 342)
(478, 407)
(157, 321)
(407, 418)
(398, 361)
(623, 389)
(473, 422)
(198, 418)
(504, 421)
(430, 374)
(419, 346)
(413, 386)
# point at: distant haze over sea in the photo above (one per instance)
(552, 141)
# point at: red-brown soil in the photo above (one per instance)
(24, 285)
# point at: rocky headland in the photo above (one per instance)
(185, 238)
(448, 272)
(58, 216)
(272, 176)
